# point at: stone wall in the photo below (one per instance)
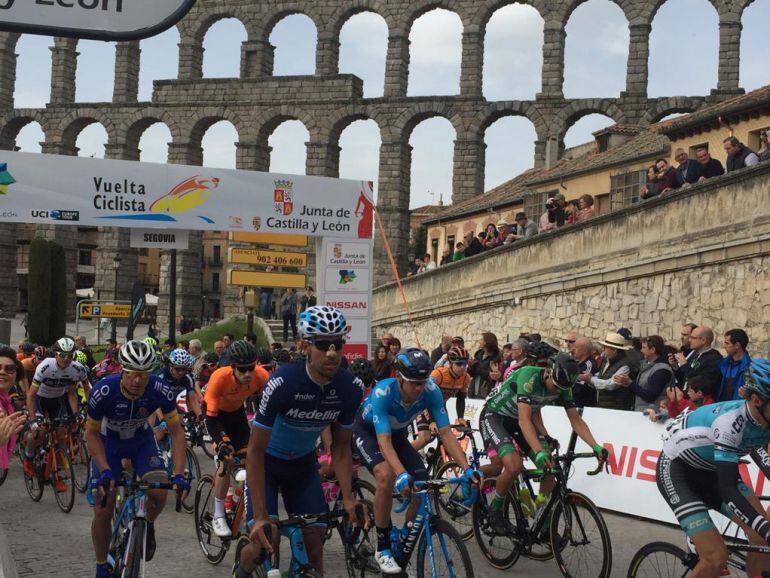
(700, 255)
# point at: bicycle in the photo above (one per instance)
(197, 435)
(129, 530)
(53, 466)
(192, 467)
(81, 460)
(568, 537)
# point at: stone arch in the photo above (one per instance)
(202, 25)
(573, 112)
(289, 9)
(12, 125)
(368, 29)
(496, 147)
(345, 13)
(268, 121)
(484, 119)
(672, 105)
(73, 124)
(627, 6)
(210, 117)
(401, 129)
(655, 5)
(427, 60)
(422, 7)
(347, 116)
(485, 13)
(752, 42)
(138, 123)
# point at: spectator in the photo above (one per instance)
(227, 339)
(583, 392)
(80, 343)
(484, 368)
(689, 171)
(308, 299)
(168, 346)
(110, 365)
(617, 362)
(446, 256)
(685, 333)
(185, 326)
(555, 215)
(289, 313)
(266, 298)
(571, 210)
(473, 245)
(441, 350)
(733, 365)
(586, 204)
(569, 342)
(459, 252)
(652, 188)
(152, 330)
(739, 156)
(655, 375)
(394, 346)
(635, 352)
(667, 176)
(710, 167)
(524, 227)
(202, 371)
(219, 349)
(700, 392)
(703, 360)
(429, 264)
(382, 365)
(491, 237)
(196, 348)
(415, 268)
(503, 231)
(385, 339)
(764, 147)
(11, 374)
(517, 357)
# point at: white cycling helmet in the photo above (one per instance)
(321, 320)
(65, 345)
(181, 358)
(136, 356)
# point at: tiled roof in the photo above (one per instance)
(624, 129)
(426, 210)
(751, 100)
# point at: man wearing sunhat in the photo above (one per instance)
(616, 362)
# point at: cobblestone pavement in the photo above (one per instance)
(46, 542)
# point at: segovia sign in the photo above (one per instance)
(95, 19)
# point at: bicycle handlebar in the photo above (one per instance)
(403, 503)
(145, 486)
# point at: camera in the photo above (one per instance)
(550, 204)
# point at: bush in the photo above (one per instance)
(39, 291)
(59, 297)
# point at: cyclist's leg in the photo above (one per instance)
(497, 433)
(755, 562)
(149, 466)
(413, 463)
(34, 437)
(101, 524)
(690, 493)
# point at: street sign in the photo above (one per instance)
(96, 19)
(106, 310)
(260, 257)
(269, 238)
(159, 239)
(262, 279)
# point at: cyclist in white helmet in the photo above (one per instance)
(299, 401)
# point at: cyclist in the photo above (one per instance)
(511, 422)
(698, 471)
(160, 359)
(117, 429)
(177, 375)
(453, 381)
(226, 421)
(30, 363)
(383, 444)
(53, 394)
(299, 402)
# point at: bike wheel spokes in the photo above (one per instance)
(580, 539)
(194, 470)
(446, 554)
(214, 548)
(660, 560)
(501, 551)
(80, 465)
(62, 478)
(34, 484)
(449, 501)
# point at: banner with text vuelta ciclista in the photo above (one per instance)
(66, 190)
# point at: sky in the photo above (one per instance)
(684, 47)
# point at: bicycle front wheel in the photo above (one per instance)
(194, 470)
(501, 551)
(80, 465)
(580, 539)
(663, 560)
(449, 501)
(214, 548)
(135, 554)
(450, 555)
(63, 481)
(34, 485)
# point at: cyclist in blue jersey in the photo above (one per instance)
(383, 444)
(117, 429)
(299, 401)
(698, 471)
(178, 376)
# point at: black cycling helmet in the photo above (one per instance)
(211, 358)
(264, 356)
(413, 364)
(363, 370)
(242, 353)
(28, 348)
(281, 356)
(540, 351)
(565, 370)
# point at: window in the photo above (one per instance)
(754, 138)
(144, 252)
(625, 187)
(434, 249)
(22, 257)
(693, 149)
(215, 281)
(84, 257)
(534, 204)
(217, 255)
(450, 241)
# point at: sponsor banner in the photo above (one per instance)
(360, 330)
(155, 239)
(106, 310)
(264, 279)
(353, 279)
(355, 350)
(347, 255)
(353, 305)
(268, 238)
(264, 257)
(38, 188)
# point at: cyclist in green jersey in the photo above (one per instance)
(511, 421)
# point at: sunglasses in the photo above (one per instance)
(64, 355)
(132, 373)
(570, 341)
(245, 368)
(11, 368)
(460, 363)
(326, 345)
(180, 368)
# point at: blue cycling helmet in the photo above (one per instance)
(413, 364)
(181, 358)
(757, 377)
(323, 321)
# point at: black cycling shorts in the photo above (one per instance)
(499, 431)
(235, 425)
(55, 408)
(365, 440)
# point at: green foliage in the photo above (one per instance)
(39, 291)
(58, 319)
(236, 327)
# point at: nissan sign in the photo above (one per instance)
(96, 19)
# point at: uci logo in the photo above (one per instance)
(40, 214)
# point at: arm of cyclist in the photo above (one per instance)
(542, 458)
(255, 475)
(193, 403)
(96, 445)
(72, 398)
(728, 478)
(31, 394)
(580, 427)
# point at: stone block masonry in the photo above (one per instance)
(696, 255)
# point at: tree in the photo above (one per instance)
(58, 299)
(420, 241)
(39, 291)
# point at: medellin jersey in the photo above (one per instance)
(388, 414)
(525, 385)
(121, 418)
(296, 409)
(719, 432)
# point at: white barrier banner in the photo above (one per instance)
(65, 190)
(634, 443)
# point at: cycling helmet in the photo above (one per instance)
(281, 356)
(242, 352)
(211, 358)
(181, 358)
(137, 356)
(362, 369)
(413, 364)
(64, 345)
(457, 353)
(81, 357)
(540, 350)
(41, 352)
(322, 320)
(27, 348)
(565, 370)
(757, 378)
(264, 356)
(151, 341)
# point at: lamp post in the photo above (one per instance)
(115, 265)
